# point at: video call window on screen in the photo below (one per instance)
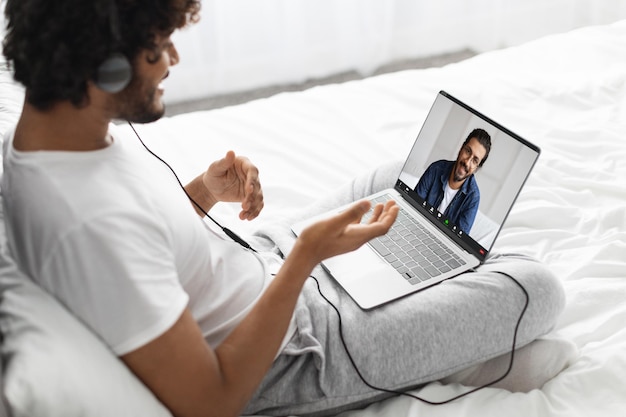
(497, 182)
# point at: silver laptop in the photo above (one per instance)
(455, 191)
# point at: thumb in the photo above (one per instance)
(355, 212)
(224, 164)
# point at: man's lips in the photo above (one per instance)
(161, 86)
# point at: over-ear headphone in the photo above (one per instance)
(114, 74)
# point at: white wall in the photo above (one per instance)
(244, 44)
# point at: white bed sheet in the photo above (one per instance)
(566, 93)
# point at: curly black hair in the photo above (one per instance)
(55, 47)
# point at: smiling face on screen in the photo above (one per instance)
(468, 160)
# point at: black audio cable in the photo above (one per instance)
(234, 236)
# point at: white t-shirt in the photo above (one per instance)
(448, 196)
(113, 237)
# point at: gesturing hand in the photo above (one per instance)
(235, 179)
(344, 232)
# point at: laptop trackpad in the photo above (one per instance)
(366, 277)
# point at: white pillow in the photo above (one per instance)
(53, 365)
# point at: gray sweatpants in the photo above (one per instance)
(407, 343)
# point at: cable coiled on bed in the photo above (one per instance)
(408, 394)
(246, 245)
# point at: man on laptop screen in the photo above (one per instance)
(446, 225)
(450, 185)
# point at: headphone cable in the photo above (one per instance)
(234, 236)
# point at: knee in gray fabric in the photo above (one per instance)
(545, 289)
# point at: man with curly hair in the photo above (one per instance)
(135, 264)
(211, 328)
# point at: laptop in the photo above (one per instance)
(438, 242)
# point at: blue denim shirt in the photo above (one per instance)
(463, 207)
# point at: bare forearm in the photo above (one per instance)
(198, 192)
(247, 354)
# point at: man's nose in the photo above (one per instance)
(174, 57)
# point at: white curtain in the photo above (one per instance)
(244, 44)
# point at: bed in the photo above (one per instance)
(566, 93)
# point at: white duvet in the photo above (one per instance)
(566, 93)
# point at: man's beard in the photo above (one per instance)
(460, 177)
(138, 106)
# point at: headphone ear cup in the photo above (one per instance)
(114, 74)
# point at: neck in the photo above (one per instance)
(63, 127)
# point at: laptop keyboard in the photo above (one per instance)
(415, 252)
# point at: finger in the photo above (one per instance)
(389, 213)
(222, 165)
(252, 187)
(378, 209)
(382, 209)
(360, 233)
(253, 209)
(382, 221)
(354, 213)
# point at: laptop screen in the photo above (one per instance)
(464, 173)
